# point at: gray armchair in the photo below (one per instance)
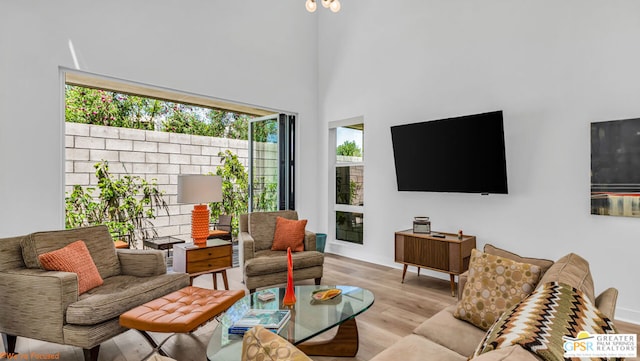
(263, 267)
(45, 305)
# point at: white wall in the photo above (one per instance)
(553, 67)
(251, 51)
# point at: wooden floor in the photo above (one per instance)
(397, 310)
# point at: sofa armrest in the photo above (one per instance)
(33, 302)
(606, 302)
(141, 263)
(248, 246)
(309, 241)
(462, 280)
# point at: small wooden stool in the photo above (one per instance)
(182, 311)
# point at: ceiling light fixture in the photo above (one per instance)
(333, 5)
(311, 5)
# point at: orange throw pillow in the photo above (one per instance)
(289, 233)
(75, 257)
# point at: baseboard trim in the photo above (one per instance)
(628, 315)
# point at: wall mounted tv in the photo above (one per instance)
(463, 154)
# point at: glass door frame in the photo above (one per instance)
(286, 160)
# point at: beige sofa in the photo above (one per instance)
(45, 305)
(444, 337)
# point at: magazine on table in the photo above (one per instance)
(272, 320)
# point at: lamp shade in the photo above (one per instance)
(199, 188)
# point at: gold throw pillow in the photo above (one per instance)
(495, 284)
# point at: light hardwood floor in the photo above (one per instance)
(397, 310)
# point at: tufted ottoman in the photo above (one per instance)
(182, 311)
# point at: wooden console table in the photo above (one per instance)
(450, 254)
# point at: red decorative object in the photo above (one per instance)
(289, 294)
(200, 223)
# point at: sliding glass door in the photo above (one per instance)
(271, 163)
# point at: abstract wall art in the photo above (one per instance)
(615, 168)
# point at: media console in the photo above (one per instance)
(449, 254)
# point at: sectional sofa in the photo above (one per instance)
(444, 337)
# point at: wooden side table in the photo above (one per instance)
(163, 244)
(213, 257)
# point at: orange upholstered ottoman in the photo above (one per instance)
(182, 311)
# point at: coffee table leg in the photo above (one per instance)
(344, 344)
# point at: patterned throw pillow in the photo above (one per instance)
(75, 257)
(494, 285)
(289, 233)
(260, 344)
(544, 320)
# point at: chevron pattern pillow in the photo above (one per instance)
(539, 323)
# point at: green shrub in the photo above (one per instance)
(126, 205)
(235, 186)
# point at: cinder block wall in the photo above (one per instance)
(148, 154)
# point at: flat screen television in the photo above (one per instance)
(463, 154)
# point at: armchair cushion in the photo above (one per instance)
(444, 329)
(97, 239)
(544, 264)
(11, 253)
(74, 258)
(142, 263)
(572, 270)
(119, 294)
(289, 233)
(309, 241)
(262, 226)
(267, 262)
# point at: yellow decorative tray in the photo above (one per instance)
(324, 295)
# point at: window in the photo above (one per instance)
(347, 184)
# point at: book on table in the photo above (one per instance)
(272, 320)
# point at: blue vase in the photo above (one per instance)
(321, 240)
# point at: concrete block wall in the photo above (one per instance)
(150, 155)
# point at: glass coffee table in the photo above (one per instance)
(309, 318)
